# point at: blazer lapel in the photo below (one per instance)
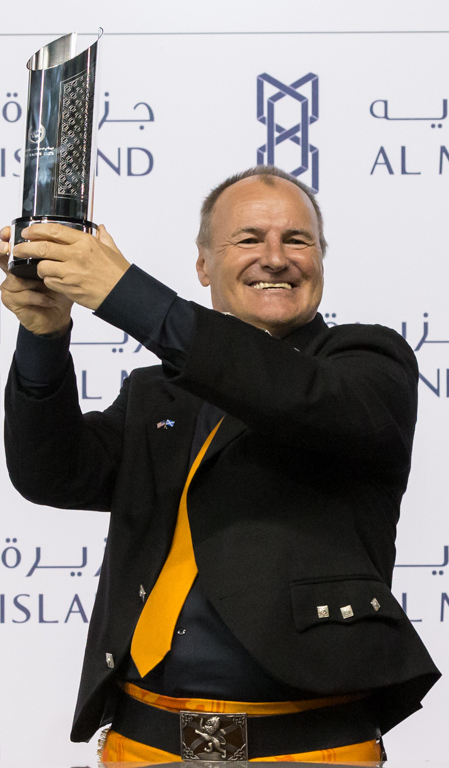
(170, 445)
(229, 429)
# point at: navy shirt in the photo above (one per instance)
(205, 660)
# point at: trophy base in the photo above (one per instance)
(28, 267)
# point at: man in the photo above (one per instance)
(291, 450)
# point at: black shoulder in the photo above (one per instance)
(370, 338)
(147, 373)
(359, 333)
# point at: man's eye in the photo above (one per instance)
(248, 241)
(296, 241)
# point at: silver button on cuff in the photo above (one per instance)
(142, 593)
(181, 631)
(375, 603)
(110, 660)
(322, 611)
(346, 611)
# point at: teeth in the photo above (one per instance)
(271, 285)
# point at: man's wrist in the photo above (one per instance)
(41, 359)
(58, 334)
(137, 304)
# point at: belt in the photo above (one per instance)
(307, 731)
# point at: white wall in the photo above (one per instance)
(387, 263)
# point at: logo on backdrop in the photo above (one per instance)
(300, 108)
(133, 161)
(396, 158)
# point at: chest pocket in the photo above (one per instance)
(342, 602)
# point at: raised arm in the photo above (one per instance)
(54, 455)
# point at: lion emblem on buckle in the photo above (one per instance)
(213, 734)
(207, 736)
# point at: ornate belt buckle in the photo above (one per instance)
(214, 737)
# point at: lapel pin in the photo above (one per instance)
(166, 423)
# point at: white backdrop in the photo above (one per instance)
(383, 146)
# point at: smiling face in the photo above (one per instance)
(264, 263)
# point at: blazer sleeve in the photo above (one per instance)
(352, 393)
(57, 456)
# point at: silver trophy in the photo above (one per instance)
(60, 146)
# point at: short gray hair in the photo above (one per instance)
(266, 173)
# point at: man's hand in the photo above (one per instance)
(81, 267)
(38, 308)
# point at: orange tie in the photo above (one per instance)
(153, 635)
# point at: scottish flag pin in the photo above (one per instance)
(166, 423)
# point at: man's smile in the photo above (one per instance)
(271, 286)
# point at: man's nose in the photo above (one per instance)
(273, 255)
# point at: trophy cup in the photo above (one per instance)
(60, 146)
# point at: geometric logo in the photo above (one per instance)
(305, 111)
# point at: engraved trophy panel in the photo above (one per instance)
(60, 143)
(75, 140)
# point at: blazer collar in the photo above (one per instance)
(172, 450)
(302, 337)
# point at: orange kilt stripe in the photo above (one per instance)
(250, 707)
(118, 748)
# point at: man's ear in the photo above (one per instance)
(201, 268)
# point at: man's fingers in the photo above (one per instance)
(57, 233)
(47, 268)
(29, 298)
(5, 234)
(40, 249)
(105, 238)
(16, 284)
(4, 262)
(72, 263)
(4, 250)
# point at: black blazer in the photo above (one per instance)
(294, 506)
